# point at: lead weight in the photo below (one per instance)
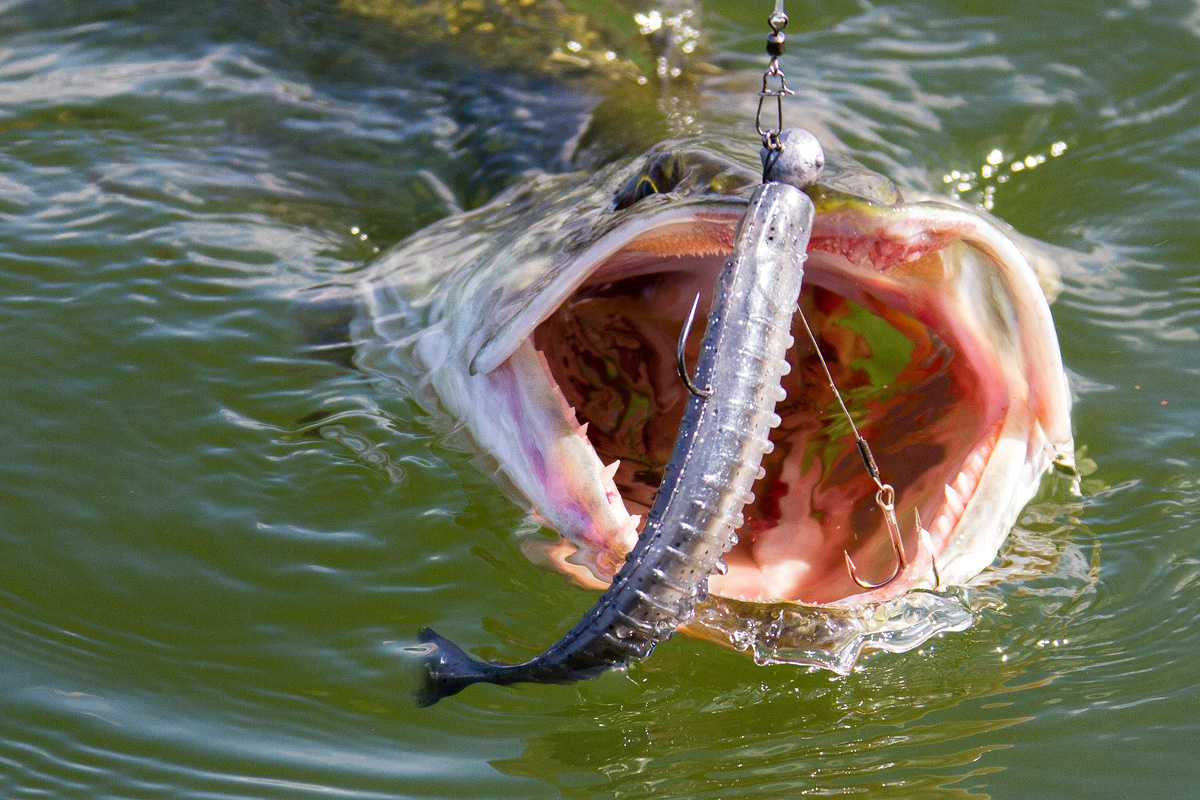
(798, 161)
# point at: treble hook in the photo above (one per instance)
(885, 497)
(898, 547)
(679, 355)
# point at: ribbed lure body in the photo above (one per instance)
(706, 484)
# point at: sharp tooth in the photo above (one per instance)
(583, 430)
(964, 485)
(629, 529)
(611, 470)
(954, 499)
(927, 543)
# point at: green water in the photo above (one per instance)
(203, 597)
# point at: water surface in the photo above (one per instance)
(203, 594)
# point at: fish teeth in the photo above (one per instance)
(954, 500)
(927, 544)
(610, 471)
(964, 484)
(627, 533)
(583, 429)
(976, 463)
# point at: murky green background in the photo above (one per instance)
(203, 597)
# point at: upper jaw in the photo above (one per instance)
(950, 269)
(715, 216)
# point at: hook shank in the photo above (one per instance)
(680, 361)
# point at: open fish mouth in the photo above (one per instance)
(937, 333)
(940, 343)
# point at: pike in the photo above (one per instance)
(563, 299)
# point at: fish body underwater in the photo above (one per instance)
(542, 327)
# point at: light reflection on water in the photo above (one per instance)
(204, 595)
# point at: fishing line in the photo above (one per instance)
(770, 136)
(801, 168)
(885, 495)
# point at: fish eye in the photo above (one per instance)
(645, 187)
(659, 175)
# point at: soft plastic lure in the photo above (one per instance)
(717, 456)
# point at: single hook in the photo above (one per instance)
(679, 355)
(885, 497)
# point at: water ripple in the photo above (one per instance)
(216, 548)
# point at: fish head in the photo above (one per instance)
(551, 338)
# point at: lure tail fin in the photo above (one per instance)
(449, 669)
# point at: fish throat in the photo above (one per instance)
(925, 408)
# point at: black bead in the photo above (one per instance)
(775, 44)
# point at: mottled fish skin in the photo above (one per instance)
(716, 457)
